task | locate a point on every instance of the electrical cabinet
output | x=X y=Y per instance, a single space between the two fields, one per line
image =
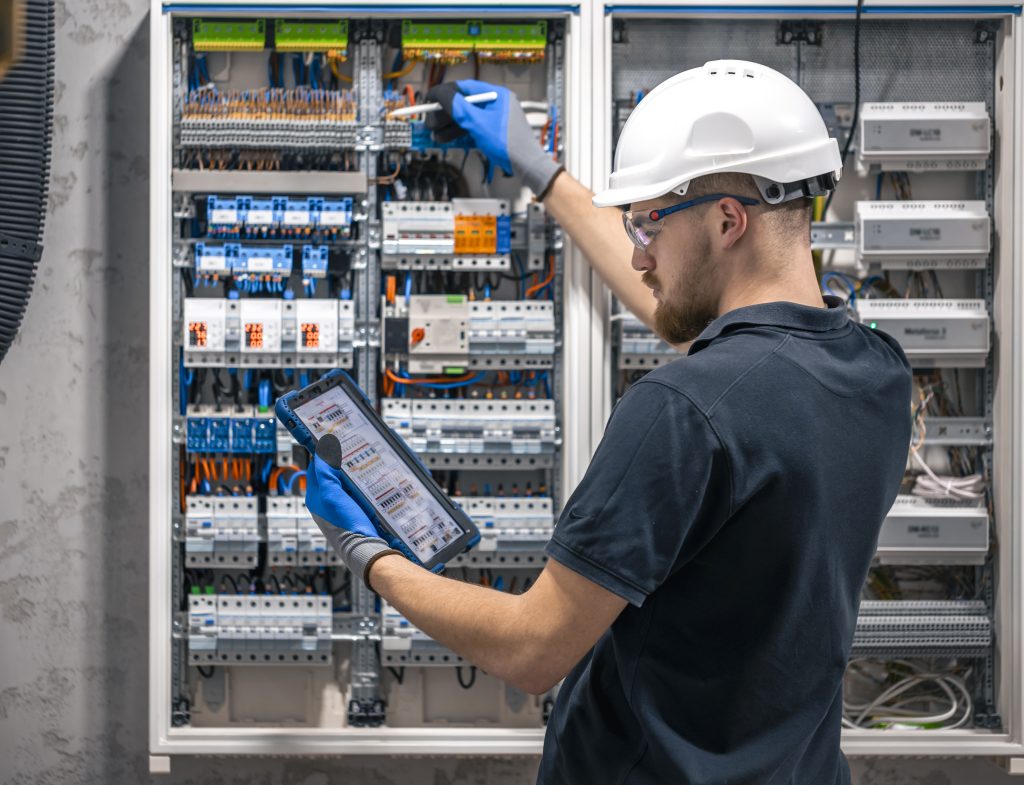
x=298 y=225
x=921 y=241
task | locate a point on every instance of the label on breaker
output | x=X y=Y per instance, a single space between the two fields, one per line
x=260 y=217
x=296 y=218
x=261 y=264
x=223 y=216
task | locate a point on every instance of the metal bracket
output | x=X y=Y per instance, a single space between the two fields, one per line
x=985 y=31
x=833 y=235
x=619 y=32
x=793 y=31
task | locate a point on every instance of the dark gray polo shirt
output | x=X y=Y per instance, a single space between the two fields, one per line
x=735 y=503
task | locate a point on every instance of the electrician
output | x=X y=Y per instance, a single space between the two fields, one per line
x=702 y=589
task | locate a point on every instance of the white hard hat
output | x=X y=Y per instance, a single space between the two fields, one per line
x=726 y=116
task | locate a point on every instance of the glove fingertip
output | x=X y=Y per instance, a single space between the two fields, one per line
x=328 y=449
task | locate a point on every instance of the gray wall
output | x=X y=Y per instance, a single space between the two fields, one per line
x=73 y=455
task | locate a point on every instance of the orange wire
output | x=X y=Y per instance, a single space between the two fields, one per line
x=429 y=380
x=410 y=95
x=272 y=482
x=391 y=285
x=248 y=471
x=224 y=466
x=545 y=282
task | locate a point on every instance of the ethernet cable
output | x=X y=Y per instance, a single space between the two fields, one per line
x=895 y=704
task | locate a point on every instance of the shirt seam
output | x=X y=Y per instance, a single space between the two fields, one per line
x=600 y=567
x=711 y=426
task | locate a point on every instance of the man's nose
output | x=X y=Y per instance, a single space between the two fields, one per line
x=642 y=261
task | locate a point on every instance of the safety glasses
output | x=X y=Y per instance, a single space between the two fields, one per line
x=642 y=228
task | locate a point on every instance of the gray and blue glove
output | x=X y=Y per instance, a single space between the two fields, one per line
x=499 y=128
x=344 y=524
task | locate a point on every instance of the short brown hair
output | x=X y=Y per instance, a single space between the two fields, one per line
x=788 y=220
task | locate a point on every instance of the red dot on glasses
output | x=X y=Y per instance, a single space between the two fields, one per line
x=655 y=215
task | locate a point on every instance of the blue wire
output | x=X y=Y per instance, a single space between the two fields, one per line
x=291 y=481
x=265 y=474
x=850 y=286
x=264 y=393
x=878 y=186
x=408 y=288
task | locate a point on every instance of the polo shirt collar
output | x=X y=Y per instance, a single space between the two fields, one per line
x=786 y=315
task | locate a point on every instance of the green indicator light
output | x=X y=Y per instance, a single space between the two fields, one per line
x=873 y=325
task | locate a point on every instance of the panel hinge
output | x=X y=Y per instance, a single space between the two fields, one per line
x=794 y=31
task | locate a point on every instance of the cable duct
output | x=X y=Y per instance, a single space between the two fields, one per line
x=26 y=128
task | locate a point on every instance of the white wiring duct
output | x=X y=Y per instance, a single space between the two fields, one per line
x=934 y=486
x=920 y=699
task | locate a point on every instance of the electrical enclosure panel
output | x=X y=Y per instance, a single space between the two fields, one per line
x=923 y=234
x=933 y=333
x=925 y=531
x=918 y=136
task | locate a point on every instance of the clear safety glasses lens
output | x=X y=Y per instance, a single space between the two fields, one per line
x=639 y=230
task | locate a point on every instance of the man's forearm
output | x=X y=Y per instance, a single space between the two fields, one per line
x=486 y=627
x=598 y=233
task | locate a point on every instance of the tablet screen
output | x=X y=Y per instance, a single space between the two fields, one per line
x=379 y=472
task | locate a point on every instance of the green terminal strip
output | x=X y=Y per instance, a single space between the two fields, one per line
x=290 y=36
x=473 y=35
x=221 y=35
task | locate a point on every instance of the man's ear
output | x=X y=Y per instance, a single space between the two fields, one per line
x=730 y=222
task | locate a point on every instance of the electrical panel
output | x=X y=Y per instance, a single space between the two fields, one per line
x=316 y=223
x=302 y=221
x=919 y=240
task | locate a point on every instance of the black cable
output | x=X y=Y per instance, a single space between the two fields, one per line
x=399 y=674
x=856 y=101
x=203 y=673
x=466 y=685
x=26 y=128
x=229 y=579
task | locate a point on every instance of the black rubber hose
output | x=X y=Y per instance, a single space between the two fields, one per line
x=26 y=129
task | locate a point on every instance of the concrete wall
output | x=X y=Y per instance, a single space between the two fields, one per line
x=73 y=455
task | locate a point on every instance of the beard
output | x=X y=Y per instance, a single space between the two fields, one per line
x=682 y=315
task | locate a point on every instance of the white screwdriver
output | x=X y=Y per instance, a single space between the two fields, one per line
x=479 y=98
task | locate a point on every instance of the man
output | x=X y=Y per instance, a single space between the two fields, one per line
x=704 y=578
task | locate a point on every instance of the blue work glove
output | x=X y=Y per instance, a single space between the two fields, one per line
x=345 y=526
x=499 y=129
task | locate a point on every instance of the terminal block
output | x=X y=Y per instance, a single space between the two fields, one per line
x=922 y=628
x=293 y=538
x=229 y=35
x=439 y=333
x=221 y=531
x=923 y=235
x=259 y=629
x=272 y=118
x=470 y=426
x=463 y=234
x=933 y=333
x=278 y=217
x=402 y=643
x=312 y=36
x=911 y=136
x=639 y=347
x=450 y=42
x=933 y=531
x=237 y=429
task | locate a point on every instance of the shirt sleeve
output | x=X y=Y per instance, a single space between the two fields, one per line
x=657 y=483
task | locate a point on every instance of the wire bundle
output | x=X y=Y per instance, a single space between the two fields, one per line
x=26 y=125
x=921 y=699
